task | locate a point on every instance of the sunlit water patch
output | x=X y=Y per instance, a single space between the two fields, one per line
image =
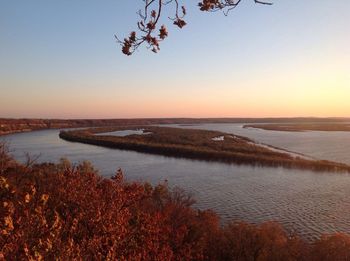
x=123 y=133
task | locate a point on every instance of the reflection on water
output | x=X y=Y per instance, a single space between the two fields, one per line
x=306 y=202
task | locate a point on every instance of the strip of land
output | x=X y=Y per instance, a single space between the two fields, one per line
x=302 y=126
x=198 y=144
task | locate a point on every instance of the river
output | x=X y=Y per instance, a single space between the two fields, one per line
x=305 y=202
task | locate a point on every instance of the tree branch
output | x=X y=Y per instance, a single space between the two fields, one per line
x=152 y=34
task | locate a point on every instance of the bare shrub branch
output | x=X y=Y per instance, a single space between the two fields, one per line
x=4 y=156
x=151 y=33
x=31 y=159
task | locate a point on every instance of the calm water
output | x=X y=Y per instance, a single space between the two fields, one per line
x=305 y=202
x=124 y=133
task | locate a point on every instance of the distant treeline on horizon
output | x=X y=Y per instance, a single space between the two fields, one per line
x=8 y=125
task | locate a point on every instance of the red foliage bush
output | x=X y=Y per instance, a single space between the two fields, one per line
x=58 y=211
x=50 y=211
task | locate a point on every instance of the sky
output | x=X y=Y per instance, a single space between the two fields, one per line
x=59 y=59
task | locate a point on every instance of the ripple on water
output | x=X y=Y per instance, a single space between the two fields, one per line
x=305 y=202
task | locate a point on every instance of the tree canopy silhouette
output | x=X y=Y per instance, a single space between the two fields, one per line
x=151 y=33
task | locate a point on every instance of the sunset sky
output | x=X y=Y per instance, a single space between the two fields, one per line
x=59 y=59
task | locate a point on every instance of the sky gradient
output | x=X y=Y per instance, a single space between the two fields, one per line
x=59 y=59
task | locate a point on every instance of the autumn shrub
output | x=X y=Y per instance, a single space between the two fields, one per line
x=334 y=247
x=268 y=241
x=68 y=212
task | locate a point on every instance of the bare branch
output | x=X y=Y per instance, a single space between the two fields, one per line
x=152 y=34
x=31 y=160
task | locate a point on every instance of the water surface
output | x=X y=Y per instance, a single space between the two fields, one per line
x=306 y=202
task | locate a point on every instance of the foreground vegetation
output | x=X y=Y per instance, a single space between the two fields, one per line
x=199 y=144
x=302 y=126
x=59 y=211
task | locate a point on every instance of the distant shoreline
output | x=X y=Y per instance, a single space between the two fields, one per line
x=11 y=126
